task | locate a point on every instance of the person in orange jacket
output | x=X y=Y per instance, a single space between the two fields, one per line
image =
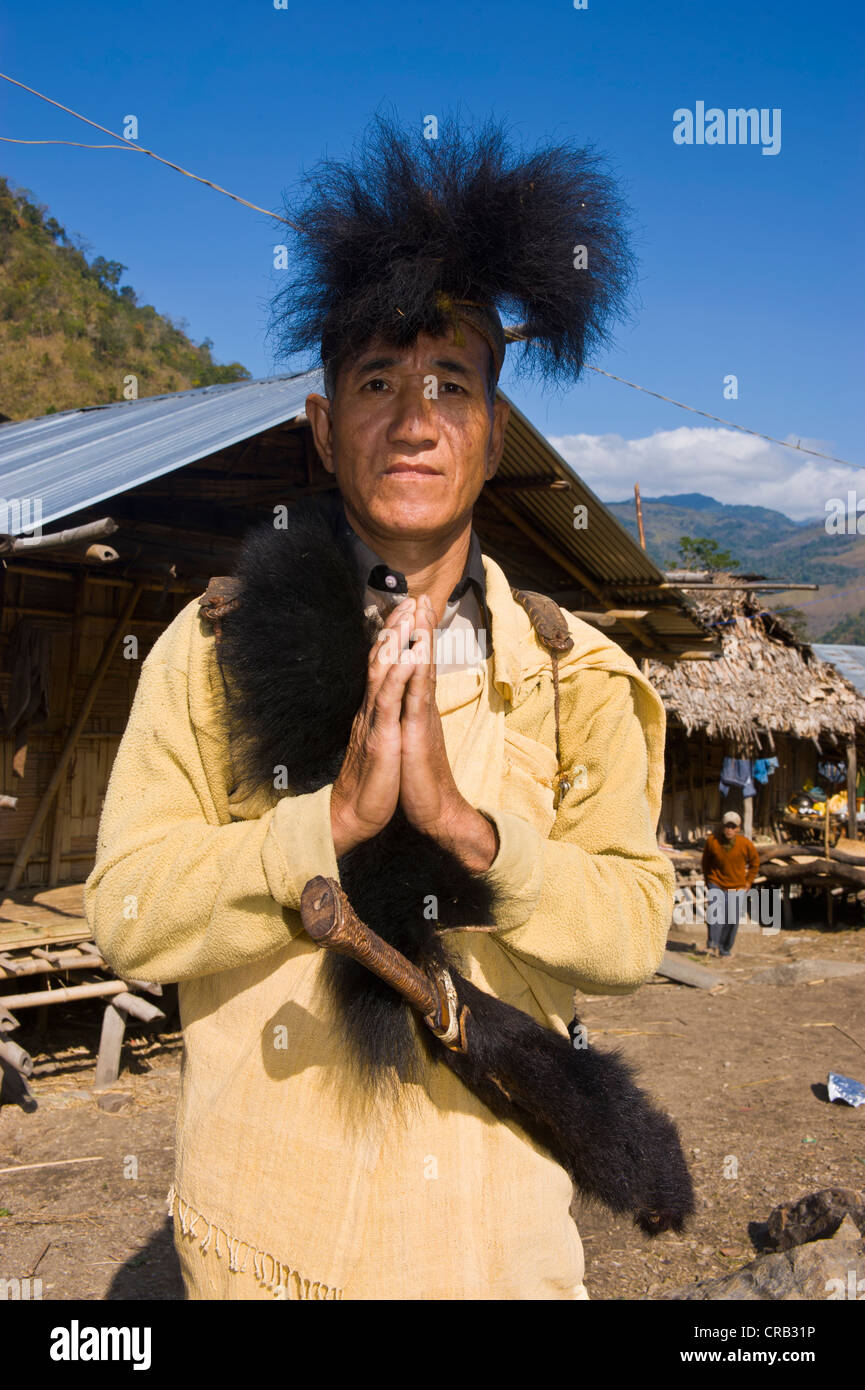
x=730 y=865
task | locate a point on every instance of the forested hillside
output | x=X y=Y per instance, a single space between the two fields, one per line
x=70 y=332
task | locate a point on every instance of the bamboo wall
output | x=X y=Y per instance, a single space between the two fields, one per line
x=66 y=844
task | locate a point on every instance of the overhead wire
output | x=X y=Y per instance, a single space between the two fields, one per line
x=132 y=144
x=512 y=334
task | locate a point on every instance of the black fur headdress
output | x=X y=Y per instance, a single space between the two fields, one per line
x=294 y=653
x=388 y=244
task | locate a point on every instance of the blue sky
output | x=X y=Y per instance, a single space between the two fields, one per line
x=750 y=264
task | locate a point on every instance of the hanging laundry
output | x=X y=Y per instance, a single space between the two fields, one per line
x=736 y=772
x=833 y=772
x=764 y=768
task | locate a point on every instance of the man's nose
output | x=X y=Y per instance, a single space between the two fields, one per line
x=414 y=419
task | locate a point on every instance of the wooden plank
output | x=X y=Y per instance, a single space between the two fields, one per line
x=110 y=1046
x=686 y=972
x=17 y=935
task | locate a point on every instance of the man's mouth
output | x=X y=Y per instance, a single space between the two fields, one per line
x=416 y=469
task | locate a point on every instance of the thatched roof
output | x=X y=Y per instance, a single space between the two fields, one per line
x=767 y=679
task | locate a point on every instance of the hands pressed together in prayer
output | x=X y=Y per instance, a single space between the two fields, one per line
x=396 y=753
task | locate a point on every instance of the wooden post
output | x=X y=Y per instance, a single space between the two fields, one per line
x=702 y=784
x=673 y=825
x=113 y=1029
x=68 y=749
x=121 y=1007
x=59 y=822
x=748 y=818
x=75 y=536
x=852 y=827
x=639 y=507
x=110 y=1047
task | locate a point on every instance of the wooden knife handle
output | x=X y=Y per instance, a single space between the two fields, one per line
x=329 y=918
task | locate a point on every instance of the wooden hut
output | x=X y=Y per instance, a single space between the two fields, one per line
x=768 y=696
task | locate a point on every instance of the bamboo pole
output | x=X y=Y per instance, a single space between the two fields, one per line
x=33 y=998
x=75 y=535
x=69 y=747
x=639 y=506
x=64 y=960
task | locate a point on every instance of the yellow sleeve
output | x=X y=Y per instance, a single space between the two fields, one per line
x=591 y=906
x=174 y=893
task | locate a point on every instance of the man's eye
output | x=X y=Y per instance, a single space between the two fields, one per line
x=451 y=386
x=376 y=383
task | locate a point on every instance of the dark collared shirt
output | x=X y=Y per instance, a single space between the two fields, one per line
x=463 y=635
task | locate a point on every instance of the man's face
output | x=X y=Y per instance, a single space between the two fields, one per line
x=411 y=435
x=730 y=832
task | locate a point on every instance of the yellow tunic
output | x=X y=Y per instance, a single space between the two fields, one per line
x=285 y=1185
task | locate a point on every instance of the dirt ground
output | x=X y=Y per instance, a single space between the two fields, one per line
x=743 y=1071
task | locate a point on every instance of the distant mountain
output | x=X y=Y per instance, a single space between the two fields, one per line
x=692 y=501
x=70 y=333
x=764 y=542
x=848 y=631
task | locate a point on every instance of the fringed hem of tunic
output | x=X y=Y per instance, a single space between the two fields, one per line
x=279 y=1276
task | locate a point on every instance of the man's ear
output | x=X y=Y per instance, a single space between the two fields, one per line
x=501 y=413
x=321 y=423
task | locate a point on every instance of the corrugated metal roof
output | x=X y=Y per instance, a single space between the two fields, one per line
x=602 y=550
x=850 y=661
x=78 y=458
x=603 y=547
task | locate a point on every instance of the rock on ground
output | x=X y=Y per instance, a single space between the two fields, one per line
x=821 y=1269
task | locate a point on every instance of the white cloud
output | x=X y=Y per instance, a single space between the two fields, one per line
x=729 y=466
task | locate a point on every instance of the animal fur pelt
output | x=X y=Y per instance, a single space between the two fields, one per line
x=378 y=241
x=294 y=654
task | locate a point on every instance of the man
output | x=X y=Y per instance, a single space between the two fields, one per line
x=730 y=865
x=291 y=1181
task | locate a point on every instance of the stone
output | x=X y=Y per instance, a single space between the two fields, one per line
x=820 y=1269
x=815 y=1217
x=799 y=972
x=112 y=1101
